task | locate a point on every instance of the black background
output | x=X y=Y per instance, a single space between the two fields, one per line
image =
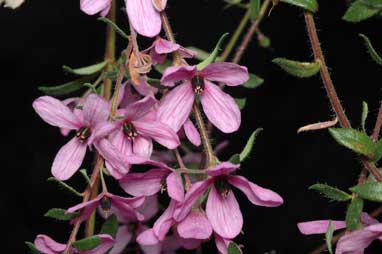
x=41 y=36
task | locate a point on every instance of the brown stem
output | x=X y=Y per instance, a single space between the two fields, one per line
x=110 y=50
x=178 y=60
x=183 y=168
x=377 y=127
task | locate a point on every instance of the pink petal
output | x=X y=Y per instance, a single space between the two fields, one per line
x=55 y=113
x=125 y=208
x=106 y=243
x=69 y=159
x=144 y=88
x=159 y=5
x=149 y=208
x=140 y=108
x=92 y=7
x=319 y=226
x=165 y=221
x=122 y=143
x=118 y=163
x=177 y=73
x=220 y=108
x=356 y=241
x=163 y=46
x=194 y=193
x=104 y=129
x=143 y=184
x=142 y=147
x=367 y=219
x=126 y=97
x=256 y=194
x=224 y=168
x=105 y=11
x=157 y=58
x=176 y=106
x=96 y=110
x=160 y=132
x=224 y=214
x=86 y=208
x=147 y=238
x=187 y=53
x=152 y=249
x=195 y=225
x=222 y=244
x=228 y=73
x=143 y=16
x=175 y=186
x=188 y=244
x=192 y=133
x=122 y=239
x=47 y=245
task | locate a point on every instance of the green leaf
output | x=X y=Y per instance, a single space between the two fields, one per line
x=88 y=70
x=353 y=214
x=249 y=146
x=201 y=54
x=32 y=248
x=155 y=83
x=65 y=186
x=84 y=173
x=110 y=226
x=264 y=41
x=241 y=102
x=355 y=140
x=373 y=3
x=66 y=88
x=329 y=237
x=253 y=81
x=359 y=11
x=59 y=214
x=370 y=191
x=370 y=49
x=330 y=192
x=212 y=57
x=365 y=112
x=114 y=26
x=378 y=151
x=233 y=248
x=88 y=243
x=235 y=159
x=254 y=6
x=310 y=5
x=298 y=69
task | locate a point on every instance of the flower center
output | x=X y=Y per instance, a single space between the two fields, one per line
x=132 y=226
x=106 y=205
x=83 y=134
x=197 y=84
x=222 y=186
x=130 y=131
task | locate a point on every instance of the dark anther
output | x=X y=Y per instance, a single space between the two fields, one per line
x=83 y=133
x=197 y=84
x=130 y=130
x=222 y=186
x=106 y=204
x=132 y=226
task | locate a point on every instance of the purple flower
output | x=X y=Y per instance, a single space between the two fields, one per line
x=219 y=107
x=87 y=125
x=47 y=245
x=92 y=7
x=222 y=208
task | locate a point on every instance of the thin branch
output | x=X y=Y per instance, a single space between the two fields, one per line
x=377 y=127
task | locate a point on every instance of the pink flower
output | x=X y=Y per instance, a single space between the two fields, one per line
x=161 y=47
x=219 y=107
x=87 y=125
x=92 y=7
x=48 y=246
x=110 y=204
x=222 y=208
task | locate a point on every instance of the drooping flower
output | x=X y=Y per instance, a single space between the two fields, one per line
x=87 y=125
x=219 y=107
x=13 y=4
x=222 y=208
x=47 y=245
x=92 y=7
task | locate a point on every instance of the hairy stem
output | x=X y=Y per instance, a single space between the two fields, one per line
x=110 y=50
x=378 y=124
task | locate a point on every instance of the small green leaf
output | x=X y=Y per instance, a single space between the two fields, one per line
x=233 y=248
x=378 y=151
x=65 y=186
x=235 y=159
x=355 y=140
x=372 y=52
x=330 y=192
x=201 y=54
x=370 y=191
x=85 y=71
x=88 y=243
x=310 y=5
x=264 y=41
x=353 y=214
x=253 y=81
x=66 y=88
x=359 y=11
x=32 y=248
x=241 y=102
x=114 y=26
x=212 y=57
x=85 y=175
x=373 y=3
x=59 y=214
x=110 y=226
x=254 y=6
x=155 y=83
x=365 y=112
x=329 y=237
x=249 y=146
x=298 y=69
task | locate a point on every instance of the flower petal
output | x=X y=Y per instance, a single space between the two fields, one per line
x=122 y=239
x=143 y=17
x=86 y=209
x=47 y=245
x=147 y=238
x=256 y=194
x=69 y=159
x=220 y=108
x=103 y=129
x=195 y=225
x=150 y=207
x=176 y=106
x=140 y=108
x=177 y=73
x=355 y=242
x=159 y=5
x=175 y=186
x=224 y=214
x=192 y=133
x=92 y=7
x=96 y=110
x=160 y=132
x=55 y=113
x=163 y=46
x=142 y=147
x=224 y=168
x=106 y=243
x=165 y=221
x=319 y=226
x=125 y=208
x=222 y=244
x=228 y=73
